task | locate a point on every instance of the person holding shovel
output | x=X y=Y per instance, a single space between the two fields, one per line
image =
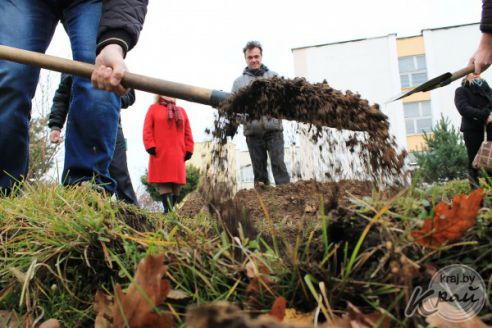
x=482 y=58
x=168 y=139
x=473 y=99
x=118 y=169
x=107 y=28
x=265 y=136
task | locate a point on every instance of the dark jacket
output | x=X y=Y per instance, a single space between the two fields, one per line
x=121 y=23
x=61 y=102
x=486 y=22
x=474 y=104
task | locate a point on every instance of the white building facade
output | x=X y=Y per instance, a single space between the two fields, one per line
x=381 y=67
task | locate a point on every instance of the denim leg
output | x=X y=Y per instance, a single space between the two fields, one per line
x=118 y=169
x=93 y=116
x=275 y=145
x=258 y=153
x=28 y=25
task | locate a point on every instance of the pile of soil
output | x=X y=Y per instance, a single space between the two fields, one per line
x=290 y=211
x=321 y=107
x=298 y=201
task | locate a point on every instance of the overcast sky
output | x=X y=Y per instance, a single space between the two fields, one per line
x=200 y=43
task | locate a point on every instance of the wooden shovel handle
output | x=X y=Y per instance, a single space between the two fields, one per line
x=462 y=72
x=130 y=80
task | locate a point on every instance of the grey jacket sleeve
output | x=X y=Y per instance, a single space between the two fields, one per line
x=121 y=23
x=235 y=85
x=61 y=102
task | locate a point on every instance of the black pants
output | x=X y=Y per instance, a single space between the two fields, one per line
x=473 y=140
x=118 y=170
x=271 y=143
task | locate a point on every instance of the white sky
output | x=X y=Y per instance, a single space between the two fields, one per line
x=200 y=43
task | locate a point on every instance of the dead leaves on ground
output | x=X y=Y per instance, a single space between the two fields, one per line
x=138 y=307
x=450 y=223
x=436 y=319
x=226 y=315
x=10 y=319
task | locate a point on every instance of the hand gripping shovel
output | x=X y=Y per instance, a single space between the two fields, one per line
x=437 y=82
x=130 y=80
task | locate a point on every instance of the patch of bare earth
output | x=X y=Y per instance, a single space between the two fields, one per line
x=292 y=203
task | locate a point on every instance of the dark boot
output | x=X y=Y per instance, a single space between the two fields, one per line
x=473 y=178
x=166 y=202
x=175 y=200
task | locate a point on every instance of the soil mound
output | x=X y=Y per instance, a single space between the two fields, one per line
x=293 y=201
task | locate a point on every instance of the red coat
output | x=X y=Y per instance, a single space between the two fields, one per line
x=171 y=143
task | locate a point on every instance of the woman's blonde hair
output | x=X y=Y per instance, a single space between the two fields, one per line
x=468 y=79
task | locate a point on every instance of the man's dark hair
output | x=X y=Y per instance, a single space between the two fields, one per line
x=251 y=45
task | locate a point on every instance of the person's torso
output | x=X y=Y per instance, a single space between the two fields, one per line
x=478 y=100
x=264 y=124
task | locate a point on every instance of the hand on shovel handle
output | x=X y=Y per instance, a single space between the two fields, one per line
x=109 y=79
x=110 y=69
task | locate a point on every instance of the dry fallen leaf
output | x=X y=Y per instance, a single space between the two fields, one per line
x=437 y=321
x=51 y=323
x=292 y=316
x=103 y=305
x=278 y=308
x=138 y=306
x=450 y=223
x=147 y=291
x=354 y=318
x=258 y=274
x=10 y=319
x=176 y=294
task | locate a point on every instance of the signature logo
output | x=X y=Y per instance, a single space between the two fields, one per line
x=456 y=293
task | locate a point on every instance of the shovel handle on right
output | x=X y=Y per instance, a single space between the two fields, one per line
x=462 y=72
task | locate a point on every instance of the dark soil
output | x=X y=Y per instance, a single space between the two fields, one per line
x=292 y=203
x=320 y=106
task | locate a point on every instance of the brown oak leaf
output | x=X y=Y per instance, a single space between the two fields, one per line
x=148 y=290
x=450 y=223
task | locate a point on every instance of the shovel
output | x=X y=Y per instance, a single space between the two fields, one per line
x=437 y=82
x=130 y=80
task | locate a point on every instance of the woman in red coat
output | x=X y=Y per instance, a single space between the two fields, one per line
x=167 y=138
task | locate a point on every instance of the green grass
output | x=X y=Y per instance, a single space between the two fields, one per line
x=59 y=245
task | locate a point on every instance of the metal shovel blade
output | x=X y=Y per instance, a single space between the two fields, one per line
x=437 y=82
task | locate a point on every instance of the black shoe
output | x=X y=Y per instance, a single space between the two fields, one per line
x=167 y=202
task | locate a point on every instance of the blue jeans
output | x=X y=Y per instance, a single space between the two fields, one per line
x=93 y=119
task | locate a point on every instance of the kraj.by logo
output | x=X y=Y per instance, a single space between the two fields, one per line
x=456 y=293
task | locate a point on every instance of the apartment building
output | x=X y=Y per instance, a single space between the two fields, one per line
x=379 y=68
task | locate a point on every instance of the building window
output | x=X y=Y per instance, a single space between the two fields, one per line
x=418 y=117
x=413 y=71
x=247 y=173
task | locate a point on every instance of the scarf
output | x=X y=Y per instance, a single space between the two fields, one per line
x=256 y=72
x=173 y=112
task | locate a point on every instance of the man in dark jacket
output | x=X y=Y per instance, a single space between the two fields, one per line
x=473 y=99
x=90 y=139
x=265 y=135
x=482 y=58
x=118 y=169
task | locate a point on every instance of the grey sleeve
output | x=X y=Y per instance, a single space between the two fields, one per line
x=235 y=86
